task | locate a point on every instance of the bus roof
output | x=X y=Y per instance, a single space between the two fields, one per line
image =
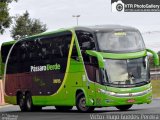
x=95 y=28
x=106 y=28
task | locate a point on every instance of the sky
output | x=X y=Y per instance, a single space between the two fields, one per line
x=58 y=14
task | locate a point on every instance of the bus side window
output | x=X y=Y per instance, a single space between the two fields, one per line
x=66 y=45
x=13 y=55
x=5 y=50
x=38 y=48
x=41 y=49
x=86 y=40
x=74 y=52
x=62 y=46
x=53 y=47
x=24 y=55
x=93 y=73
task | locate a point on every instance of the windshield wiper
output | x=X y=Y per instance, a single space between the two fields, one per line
x=146 y=82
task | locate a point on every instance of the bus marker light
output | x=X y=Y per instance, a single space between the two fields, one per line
x=131 y=101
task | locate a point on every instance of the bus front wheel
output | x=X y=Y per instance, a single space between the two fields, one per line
x=124 y=107
x=81 y=104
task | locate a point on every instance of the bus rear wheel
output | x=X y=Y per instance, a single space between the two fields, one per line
x=81 y=104
x=21 y=102
x=63 y=108
x=28 y=102
x=29 y=105
x=124 y=107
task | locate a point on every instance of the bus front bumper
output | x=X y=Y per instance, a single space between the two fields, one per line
x=116 y=99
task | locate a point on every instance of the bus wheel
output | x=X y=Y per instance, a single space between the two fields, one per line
x=124 y=107
x=29 y=105
x=28 y=102
x=21 y=102
x=63 y=108
x=81 y=104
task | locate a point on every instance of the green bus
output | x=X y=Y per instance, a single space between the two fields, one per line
x=86 y=67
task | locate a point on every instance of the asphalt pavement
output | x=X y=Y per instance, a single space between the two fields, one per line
x=137 y=112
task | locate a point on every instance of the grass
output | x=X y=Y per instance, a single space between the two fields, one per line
x=156 y=88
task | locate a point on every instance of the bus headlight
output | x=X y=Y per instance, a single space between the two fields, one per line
x=126 y=94
x=112 y=93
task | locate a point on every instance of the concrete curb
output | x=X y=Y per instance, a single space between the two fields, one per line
x=6 y=105
x=156 y=98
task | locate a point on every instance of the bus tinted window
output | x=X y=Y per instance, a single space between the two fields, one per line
x=13 y=58
x=5 y=50
x=55 y=47
x=39 y=52
x=86 y=41
x=24 y=51
x=45 y=48
x=74 y=52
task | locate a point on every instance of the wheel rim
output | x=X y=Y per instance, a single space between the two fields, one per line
x=28 y=102
x=21 y=102
x=82 y=104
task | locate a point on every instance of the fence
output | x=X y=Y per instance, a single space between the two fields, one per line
x=155 y=74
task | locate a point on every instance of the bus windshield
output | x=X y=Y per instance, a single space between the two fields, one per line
x=127 y=72
x=120 y=41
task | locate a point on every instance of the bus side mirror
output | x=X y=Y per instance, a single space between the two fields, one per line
x=155 y=57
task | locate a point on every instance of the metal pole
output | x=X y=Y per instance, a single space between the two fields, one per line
x=76 y=16
x=77 y=21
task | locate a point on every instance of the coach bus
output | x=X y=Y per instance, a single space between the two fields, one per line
x=86 y=67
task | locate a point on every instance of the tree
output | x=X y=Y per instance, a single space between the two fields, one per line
x=5 y=18
x=25 y=26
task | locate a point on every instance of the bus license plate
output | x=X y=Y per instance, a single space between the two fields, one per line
x=131 y=101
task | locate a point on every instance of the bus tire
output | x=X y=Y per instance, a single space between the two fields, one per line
x=123 y=107
x=29 y=105
x=80 y=103
x=28 y=102
x=21 y=102
x=63 y=108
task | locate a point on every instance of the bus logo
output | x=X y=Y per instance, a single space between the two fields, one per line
x=47 y=67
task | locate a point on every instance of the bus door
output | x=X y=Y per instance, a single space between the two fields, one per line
x=91 y=77
x=94 y=81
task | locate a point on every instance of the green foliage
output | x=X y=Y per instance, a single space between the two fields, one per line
x=156 y=90
x=5 y=18
x=25 y=26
